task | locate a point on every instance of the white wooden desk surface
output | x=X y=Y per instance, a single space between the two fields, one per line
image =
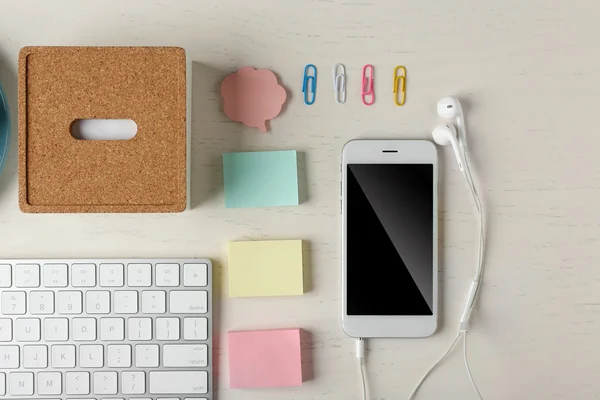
x=528 y=75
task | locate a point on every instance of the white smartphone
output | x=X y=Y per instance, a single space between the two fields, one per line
x=389 y=238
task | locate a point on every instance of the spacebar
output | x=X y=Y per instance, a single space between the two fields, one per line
x=178 y=382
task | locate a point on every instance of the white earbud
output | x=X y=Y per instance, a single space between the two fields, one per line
x=446 y=135
x=450 y=108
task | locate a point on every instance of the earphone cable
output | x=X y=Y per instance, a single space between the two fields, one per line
x=363 y=376
x=466 y=360
x=473 y=296
x=471 y=302
x=433 y=367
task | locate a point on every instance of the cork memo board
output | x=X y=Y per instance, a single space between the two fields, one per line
x=59 y=85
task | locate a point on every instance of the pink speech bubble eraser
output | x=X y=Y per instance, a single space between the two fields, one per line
x=252 y=97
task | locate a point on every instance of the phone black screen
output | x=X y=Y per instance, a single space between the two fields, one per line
x=389 y=239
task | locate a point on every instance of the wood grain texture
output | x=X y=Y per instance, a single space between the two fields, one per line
x=527 y=73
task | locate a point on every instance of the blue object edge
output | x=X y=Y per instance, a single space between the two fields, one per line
x=4 y=128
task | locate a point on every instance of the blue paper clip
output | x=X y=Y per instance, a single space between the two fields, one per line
x=309 y=84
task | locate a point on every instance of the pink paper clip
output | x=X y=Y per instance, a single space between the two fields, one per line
x=368 y=87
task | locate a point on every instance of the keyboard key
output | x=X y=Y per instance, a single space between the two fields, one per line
x=77 y=383
x=84 y=329
x=178 y=382
x=126 y=302
x=105 y=382
x=12 y=303
x=119 y=356
x=195 y=275
x=167 y=328
x=89 y=398
x=56 y=329
x=21 y=384
x=5 y=330
x=49 y=383
x=55 y=275
x=5 y=275
x=83 y=275
x=146 y=355
x=188 y=302
x=63 y=356
x=2 y=384
x=139 y=275
x=9 y=357
x=41 y=303
x=154 y=302
x=112 y=329
x=167 y=275
x=97 y=302
x=185 y=355
x=27 y=275
x=69 y=302
x=139 y=329
x=133 y=382
x=195 y=328
x=91 y=356
x=111 y=275
x=27 y=329
x=35 y=356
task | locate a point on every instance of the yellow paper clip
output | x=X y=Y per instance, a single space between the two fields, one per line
x=400 y=85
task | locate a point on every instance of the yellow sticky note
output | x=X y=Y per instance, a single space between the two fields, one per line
x=265 y=268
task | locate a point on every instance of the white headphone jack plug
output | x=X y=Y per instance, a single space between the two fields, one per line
x=360 y=357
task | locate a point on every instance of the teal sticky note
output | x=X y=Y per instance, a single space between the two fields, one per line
x=261 y=179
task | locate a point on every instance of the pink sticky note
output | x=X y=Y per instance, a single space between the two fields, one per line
x=252 y=96
x=269 y=358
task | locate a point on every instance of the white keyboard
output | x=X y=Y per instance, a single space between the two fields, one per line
x=106 y=329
